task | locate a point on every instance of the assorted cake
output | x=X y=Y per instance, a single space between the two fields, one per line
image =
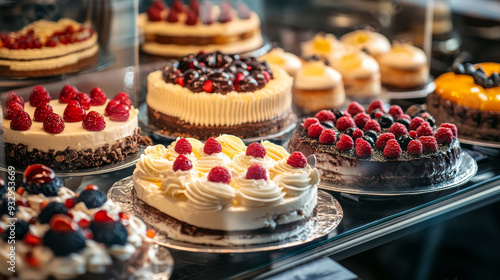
x=470 y=98
x=323 y=45
x=181 y=29
x=208 y=94
x=74 y=131
x=225 y=193
x=45 y=48
x=367 y=41
x=286 y=60
x=375 y=148
x=55 y=233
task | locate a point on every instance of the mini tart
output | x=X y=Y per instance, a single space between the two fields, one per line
x=364 y=40
x=474 y=109
x=288 y=61
x=317 y=87
x=323 y=45
x=47 y=54
x=404 y=67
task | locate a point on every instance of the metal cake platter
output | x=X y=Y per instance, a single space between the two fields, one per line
x=478 y=142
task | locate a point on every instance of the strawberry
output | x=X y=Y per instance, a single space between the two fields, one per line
x=62 y=223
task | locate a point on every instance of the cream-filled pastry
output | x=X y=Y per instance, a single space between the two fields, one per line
x=323 y=45
x=288 y=61
x=364 y=40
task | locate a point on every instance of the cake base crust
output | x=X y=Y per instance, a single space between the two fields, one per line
x=404 y=79
x=313 y=100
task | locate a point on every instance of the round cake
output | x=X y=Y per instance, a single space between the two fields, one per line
x=470 y=98
x=209 y=94
x=45 y=48
x=370 y=147
x=50 y=232
x=183 y=29
x=75 y=131
x=225 y=193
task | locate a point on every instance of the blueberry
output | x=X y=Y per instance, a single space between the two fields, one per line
x=374 y=112
x=495 y=77
x=458 y=69
x=350 y=131
x=430 y=120
x=92 y=198
x=479 y=78
x=64 y=243
x=480 y=69
x=50 y=210
x=328 y=124
x=469 y=69
x=21 y=228
x=109 y=233
x=404 y=140
x=369 y=140
x=372 y=134
x=404 y=121
x=385 y=121
x=338 y=113
x=49 y=189
x=488 y=83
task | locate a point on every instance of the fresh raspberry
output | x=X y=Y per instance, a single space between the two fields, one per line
x=192 y=18
x=39 y=94
x=83 y=99
x=444 y=135
x=183 y=147
x=297 y=160
x=67 y=94
x=405 y=116
x=212 y=146
x=93 y=121
x=62 y=223
x=256 y=150
x=415 y=147
x=425 y=130
x=425 y=114
x=13 y=108
x=103 y=216
x=355 y=108
x=383 y=139
x=328 y=136
x=363 y=148
x=182 y=163
x=178 y=6
x=416 y=123
x=315 y=130
x=344 y=123
x=97 y=97
x=325 y=115
x=379 y=114
x=173 y=16
x=376 y=104
x=372 y=125
x=117 y=111
x=123 y=98
x=395 y=111
x=42 y=111
x=346 y=114
x=398 y=129
x=13 y=97
x=208 y=86
x=73 y=112
x=413 y=134
x=358 y=133
x=452 y=127
x=53 y=124
x=21 y=121
x=154 y=14
x=392 y=149
x=256 y=172
x=361 y=119
x=219 y=174
x=310 y=121
x=345 y=143
x=429 y=144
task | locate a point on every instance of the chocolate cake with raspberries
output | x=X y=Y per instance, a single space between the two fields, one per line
x=208 y=94
x=72 y=132
x=376 y=148
x=60 y=234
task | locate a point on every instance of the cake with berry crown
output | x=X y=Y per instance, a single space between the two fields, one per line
x=182 y=29
x=209 y=94
x=60 y=234
x=470 y=98
x=372 y=147
x=74 y=131
x=227 y=193
x=45 y=48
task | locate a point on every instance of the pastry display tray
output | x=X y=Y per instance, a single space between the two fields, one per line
x=420 y=93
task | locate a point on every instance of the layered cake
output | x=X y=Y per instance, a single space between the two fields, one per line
x=45 y=48
x=470 y=98
x=74 y=131
x=208 y=94
x=55 y=233
x=372 y=147
x=181 y=29
x=226 y=193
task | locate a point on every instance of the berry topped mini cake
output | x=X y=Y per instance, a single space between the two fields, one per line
x=181 y=29
x=58 y=234
x=376 y=148
x=208 y=94
x=45 y=48
x=470 y=98
x=75 y=131
x=226 y=193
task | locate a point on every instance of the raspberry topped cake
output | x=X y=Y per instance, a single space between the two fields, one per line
x=181 y=29
x=74 y=131
x=45 y=48
x=372 y=147
x=209 y=94
x=60 y=234
x=226 y=193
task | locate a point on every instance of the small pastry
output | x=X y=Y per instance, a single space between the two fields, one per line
x=318 y=87
x=288 y=61
x=323 y=45
x=371 y=42
x=404 y=67
x=360 y=74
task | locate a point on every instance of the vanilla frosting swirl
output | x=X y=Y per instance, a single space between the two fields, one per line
x=155 y=150
x=175 y=182
x=241 y=162
x=209 y=196
x=97 y=257
x=276 y=152
x=171 y=154
x=152 y=167
x=294 y=180
x=206 y=162
x=231 y=145
x=258 y=193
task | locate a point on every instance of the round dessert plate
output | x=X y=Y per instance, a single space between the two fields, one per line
x=478 y=142
x=419 y=93
x=329 y=216
x=467 y=169
x=278 y=138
